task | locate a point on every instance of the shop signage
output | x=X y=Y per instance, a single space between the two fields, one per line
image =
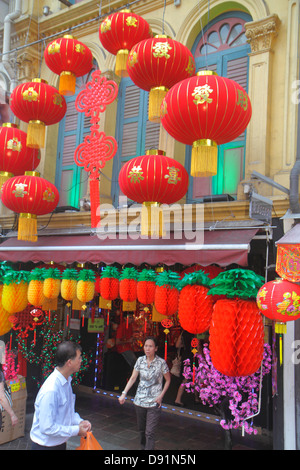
x=96 y=325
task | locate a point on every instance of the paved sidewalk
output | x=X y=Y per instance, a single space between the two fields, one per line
x=114 y=426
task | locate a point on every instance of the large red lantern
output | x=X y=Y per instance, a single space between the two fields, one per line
x=30 y=196
x=205 y=111
x=39 y=104
x=167 y=293
x=155 y=65
x=151 y=180
x=15 y=156
x=68 y=58
x=119 y=32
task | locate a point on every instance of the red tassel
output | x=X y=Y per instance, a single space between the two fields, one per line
x=107 y=318
x=95 y=202
x=166 y=348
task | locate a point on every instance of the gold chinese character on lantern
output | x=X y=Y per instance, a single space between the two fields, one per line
x=131 y=21
x=14 y=144
x=161 y=49
x=80 y=48
x=201 y=94
x=136 y=174
x=132 y=59
x=54 y=48
x=242 y=99
x=105 y=25
x=58 y=99
x=48 y=195
x=30 y=94
x=20 y=189
x=173 y=177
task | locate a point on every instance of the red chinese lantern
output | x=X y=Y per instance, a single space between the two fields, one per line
x=153 y=179
x=146 y=286
x=128 y=284
x=15 y=156
x=109 y=283
x=205 y=111
x=68 y=58
x=167 y=293
x=155 y=65
x=30 y=196
x=119 y=32
x=40 y=105
x=195 y=307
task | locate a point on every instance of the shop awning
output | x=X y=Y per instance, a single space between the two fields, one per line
x=222 y=247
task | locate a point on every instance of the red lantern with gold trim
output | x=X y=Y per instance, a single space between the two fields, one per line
x=119 y=32
x=205 y=111
x=68 y=58
x=30 y=196
x=153 y=179
x=155 y=65
x=15 y=156
x=39 y=104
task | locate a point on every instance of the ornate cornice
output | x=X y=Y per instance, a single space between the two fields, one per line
x=260 y=34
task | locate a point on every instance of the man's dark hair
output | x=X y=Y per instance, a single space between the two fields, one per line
x=65 y=351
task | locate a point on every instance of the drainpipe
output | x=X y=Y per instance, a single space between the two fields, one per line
x=8 y=20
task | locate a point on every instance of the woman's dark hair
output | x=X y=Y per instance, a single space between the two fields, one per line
x=153 y=338
x=65 y=351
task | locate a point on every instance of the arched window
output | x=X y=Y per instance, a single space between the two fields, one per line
x=223 y=48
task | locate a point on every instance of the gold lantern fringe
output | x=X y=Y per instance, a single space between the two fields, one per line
x=152 y=219
x=121 y=61
x=67 y=83
x=156 y=96
x=4 y=176
x=27 y=227
x=204 y=160
x=36 y=134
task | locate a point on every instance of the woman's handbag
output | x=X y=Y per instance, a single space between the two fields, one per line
x=176 y=367
x=89 y=443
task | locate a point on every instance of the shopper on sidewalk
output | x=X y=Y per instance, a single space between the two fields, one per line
x=55 y=419
x=152 y=369
x=4 y=403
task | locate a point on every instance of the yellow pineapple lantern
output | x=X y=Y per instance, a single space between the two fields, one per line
x=68 y=286
x=5 y=324
x=35 y=294
x=14 y=293
x=51 y=287
x=86 y=286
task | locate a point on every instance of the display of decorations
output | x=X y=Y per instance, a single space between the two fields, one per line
x=128 y=284
x=146 y=286
x=14 y=294
x=15 y=156
x=5 y=323
x=167 y=293
x=96 y=149
x=30 y=196
x=205 y=111
x=155 y=65
x=195 y=307
x=151 y=180
x=52 y=280
x=109 y=283
x=85 y=286
x=68 y=58
x=236 y=330
x=35 y=292
x=119 y=32
x=68 y=285
x=40 y=105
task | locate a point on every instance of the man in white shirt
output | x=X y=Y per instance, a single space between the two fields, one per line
x=55 y=419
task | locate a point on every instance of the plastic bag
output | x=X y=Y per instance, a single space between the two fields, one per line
x=89 y=443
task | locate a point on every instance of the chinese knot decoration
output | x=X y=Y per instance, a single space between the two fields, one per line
x=155 y=65
x=40 y=105
x=119 y=32
x=96 y=149
x=205 y=111
x=15 y=156
x=30 y=196
x=151 y=180
x=68 y=58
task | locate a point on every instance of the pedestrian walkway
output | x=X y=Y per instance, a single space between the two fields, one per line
x=114 y=426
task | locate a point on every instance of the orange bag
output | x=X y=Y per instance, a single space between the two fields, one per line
x=89 y=443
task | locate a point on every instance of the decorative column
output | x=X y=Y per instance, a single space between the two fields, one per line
x=260 y=36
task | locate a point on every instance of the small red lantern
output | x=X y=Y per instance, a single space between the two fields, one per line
x=30 y=196
x=153 y=179
x=167 y=293
x=119 y=32
x=15 y=156
x=146 y=286
x=128 y=284
x=155 y=65
x=205 y=111
x=39 y=104
x=68 y=58
x=109 y=283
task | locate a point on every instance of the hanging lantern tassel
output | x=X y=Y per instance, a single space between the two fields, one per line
x=95 y=202
x=280 y=328
x=156 y=97
x=194 y=344
x=167 y=323
x=204 y=160
x=121 y=61
x=36 y=132
x=152 y=219
x=67 y=83
x=27 y=227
